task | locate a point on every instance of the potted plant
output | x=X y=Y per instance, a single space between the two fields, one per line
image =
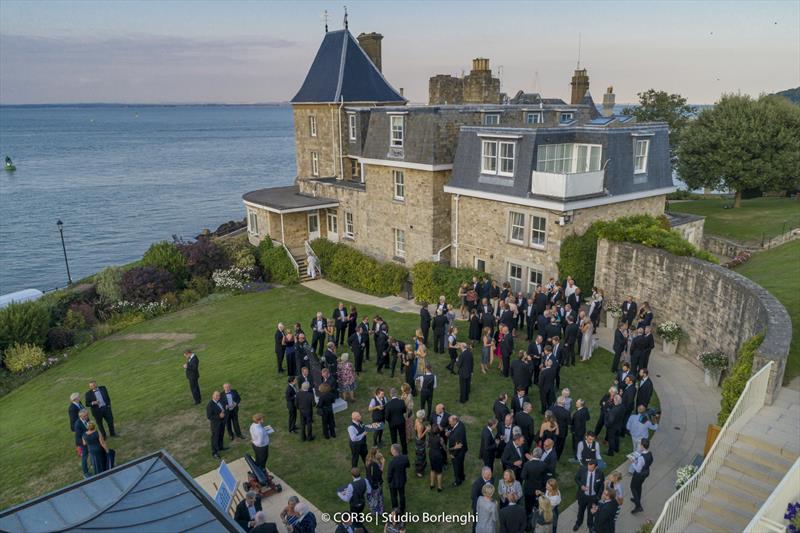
x=684 y=474
x=713 y=364
x=613 y=314
x=670 y=333
x=793 y=516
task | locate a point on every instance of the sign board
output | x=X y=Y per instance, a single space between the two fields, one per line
x=223 y=497
x=227 y=477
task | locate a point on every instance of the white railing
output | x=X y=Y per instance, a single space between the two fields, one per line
x=680 y=507
x=310 y=252
x=567 y=185
x=770 y=517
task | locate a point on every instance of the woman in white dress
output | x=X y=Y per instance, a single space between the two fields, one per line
x=587 y=343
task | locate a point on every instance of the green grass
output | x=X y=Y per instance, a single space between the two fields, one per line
x=778 y=271
x=234 y=340
x=756 y=217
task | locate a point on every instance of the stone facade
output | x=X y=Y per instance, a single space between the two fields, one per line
x=325 y=143
x=718 y=308
x=445 y=89
x=483 y=233
x=295 y=226
x=477 y=87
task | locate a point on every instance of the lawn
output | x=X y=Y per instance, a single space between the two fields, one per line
x=757 y=217
x=232 y=335
x=778 y=271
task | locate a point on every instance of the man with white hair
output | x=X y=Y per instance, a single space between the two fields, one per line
x=280 y=349
x=260 y=524
x=305 y=404
x=247 y=509
x=80 y=427
x=486 y=478
x=306 y=523
x=75 y=407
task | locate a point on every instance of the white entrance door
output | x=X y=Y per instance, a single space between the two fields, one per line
x=333 y=226
x=313 y=226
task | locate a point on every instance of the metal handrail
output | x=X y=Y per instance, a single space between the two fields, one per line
x=310 y=251
x=291 y=258
x=680 y=507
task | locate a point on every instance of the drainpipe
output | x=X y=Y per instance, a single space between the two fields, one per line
x=333 y=143
x=341 y=152
x=283 y=239
x=455 y=235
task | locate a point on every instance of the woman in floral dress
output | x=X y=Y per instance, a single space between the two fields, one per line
x=346 y=378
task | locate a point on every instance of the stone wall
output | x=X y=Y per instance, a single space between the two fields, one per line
x=718 y=308
x=692 y=231
x=719 y=246
x=325 y=143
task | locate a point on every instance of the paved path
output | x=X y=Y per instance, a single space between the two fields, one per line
x=687 y=407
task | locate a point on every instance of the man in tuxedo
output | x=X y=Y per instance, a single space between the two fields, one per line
x=291 y=403
x=534 y=476
x=356 y=343
x=620 y=344
x=99 y=402
x=558 y=355
x=512 y=517
x=522 y=307
x=79 y=428
x=329 y=358
x=539 y=302
x=381 y=339
x=500 y=407
x=574 y=300
x=629 y=311
x=465 y=368
x=305 y=377
x=519 y=400
x=457 y=442
x=535 y=351
x=571 y=334
x=623 y=373
x=215 y=413
x=530 y=319
x=396 y=350
x=441 y=417
x=506 y=349
x=547 y=383
x=645 y=388
x=553 y=329
x=542 y=321
x=397 y=478
x=606 y=403
x=562 y=416
x=395 y=417
x=605 y=512
x=357 y=433
x=439 y=331
x=505 y=434
x=484 y=479
x=305 y=404
x=74 y=408
x=521 y=372
x=578 y=423
x=489 y=440
x=260 y=524
x=427 y=384
x=629 y=396
x=424 y=321
x=280 y=349
x=615 y=425
x=318 y=325
x=246 y=510
x=524 y=421
x=549 y=456
x=340 y=320
x=649 y=344
x=366 y=328
x=192 y=368
x=589 y=480
x=486 y=315
x=507 y=316
x=514 y=455
x=231 y=400
x=639 y=348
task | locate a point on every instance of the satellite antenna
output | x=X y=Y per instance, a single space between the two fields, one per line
x=536 y=81
x=579 y=51
x=500 y=75
x=325 y=19
x=345 y=17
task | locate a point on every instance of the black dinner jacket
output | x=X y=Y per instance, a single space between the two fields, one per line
x=500 y=411
x=445 y=419
x=477 y=488
x=510 y=455
x=336 y=315
x=579 y=419
x=394 y=410
x=571 y=334
x=424 y=318
x=213 y=410
x=242 y=516
x=291 y=396
x=512 y=519
x=458 y=434
x=90 y=397
x=521 y=374
x=645 y=392
x=279 y=348
x=305 y=402
x=465 y=365
x=516 y=407
x=235 y=395
x=397 y=472
x=488 y=444
x=526 y=425
x=73 y=414
x=193 y=367
x=547 y=379
x=581 y=478
x=534 y=476
x=620 y=342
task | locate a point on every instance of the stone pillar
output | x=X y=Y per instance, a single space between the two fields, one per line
x=580 y=84
x=371 y=44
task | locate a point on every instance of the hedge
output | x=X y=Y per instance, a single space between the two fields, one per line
x=275 y=264
x=431 y=280
x=733 y=385
x=349 y=267
x=165 y=255
x=24 y=323
x=578 y=252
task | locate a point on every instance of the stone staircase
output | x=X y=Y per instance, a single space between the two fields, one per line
x=301 y=258
x=764 y=451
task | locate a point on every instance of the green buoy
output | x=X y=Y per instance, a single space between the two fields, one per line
x=9 y=166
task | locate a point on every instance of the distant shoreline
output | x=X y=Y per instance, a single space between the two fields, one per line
x=64 y=105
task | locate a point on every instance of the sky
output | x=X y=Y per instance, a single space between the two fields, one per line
x=258 y=51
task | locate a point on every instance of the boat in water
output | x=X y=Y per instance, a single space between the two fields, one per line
x=9 y=165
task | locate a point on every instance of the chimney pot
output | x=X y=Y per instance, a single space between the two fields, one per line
x=371 y=44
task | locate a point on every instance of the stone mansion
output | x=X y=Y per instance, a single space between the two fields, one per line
x=473 y=179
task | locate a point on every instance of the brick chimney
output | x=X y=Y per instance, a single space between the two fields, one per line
x=580 y=84
x=608 y=102
x=480 y=64
x=371 y=44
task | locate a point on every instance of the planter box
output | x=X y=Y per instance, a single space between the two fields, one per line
x=669 y=348
x=712 y=377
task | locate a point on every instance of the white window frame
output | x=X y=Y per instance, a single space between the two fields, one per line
x=362 y=172
x=355 y=168
x=640 y=156
x=396 y=130
x=349 y=226
x=314 y=163
x=516 y=282
x=501 y=159
x=512 y=225
x=399 y=243
x=534 y=114
x=252 y=222
x=538 y=231
x=491 y=119
x=399 y=185
x=565 y=158
x=479 y=260
x=568 y=115
x=332 y=221
x=533 y=284
x=492 y=159
x=351 y=123
x=312 y=125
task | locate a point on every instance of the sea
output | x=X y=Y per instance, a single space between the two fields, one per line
x=121 y=177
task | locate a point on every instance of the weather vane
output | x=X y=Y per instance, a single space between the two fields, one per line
x=325 y=18
x=345 y=17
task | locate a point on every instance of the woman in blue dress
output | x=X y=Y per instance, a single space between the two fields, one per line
x=97 y=447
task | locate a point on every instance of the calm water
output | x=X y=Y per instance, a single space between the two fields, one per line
x=121 y=178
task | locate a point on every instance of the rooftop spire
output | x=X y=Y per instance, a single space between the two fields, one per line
x=345 y=17
x=325 y=18
x=579 y=52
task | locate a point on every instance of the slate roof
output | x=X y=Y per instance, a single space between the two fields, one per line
x=287 y=199
x=342 y=71
x=150 y=494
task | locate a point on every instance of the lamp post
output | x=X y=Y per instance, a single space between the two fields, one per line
x=63 y=247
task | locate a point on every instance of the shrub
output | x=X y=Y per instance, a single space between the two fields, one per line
x=21 y=357
x=578 y=257
x=735 y=381
x=188 y=296
x=59 y=302
x=74 y=321
x=24 y=323
x=166 y=256
x=240 y=252
x=202 y=286
x=276 y=266
x=232 y=279
x=170 y=300
x=203 y=257
x=431 y=280
x=146 y=284
x=59 y=338
x=107 y=282
x=85 y=310
x=117 y=323
x=347 y=266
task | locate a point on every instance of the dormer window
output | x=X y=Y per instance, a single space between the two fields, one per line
x=569 y=158
x=351 y=122
x=398 y=131
x=489 y=157
x=506 y=159
x=566 y=117
x=491 y=119
x=641 y=147
x=533 y=118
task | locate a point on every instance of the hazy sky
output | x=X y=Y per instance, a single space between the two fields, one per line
x=243 y=52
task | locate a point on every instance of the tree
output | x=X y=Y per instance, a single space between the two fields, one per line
x=742 y=143
x=660 y=106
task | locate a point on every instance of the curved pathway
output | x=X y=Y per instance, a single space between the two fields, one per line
x=688 y=406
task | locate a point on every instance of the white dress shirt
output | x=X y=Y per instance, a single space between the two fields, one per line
x=259 y=435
